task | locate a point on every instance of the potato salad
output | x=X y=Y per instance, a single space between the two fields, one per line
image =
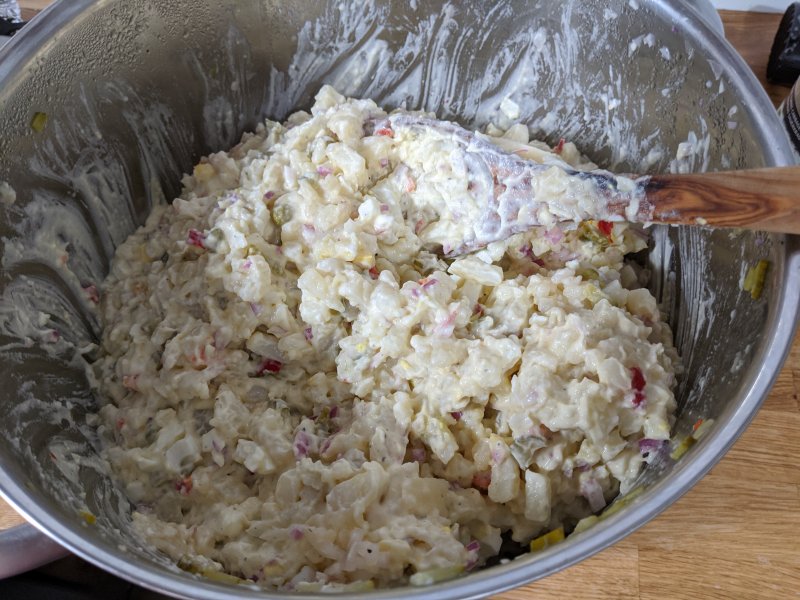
x=301 y=391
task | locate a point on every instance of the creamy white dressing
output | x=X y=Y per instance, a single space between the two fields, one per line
x=7 y=193
x=300 y=393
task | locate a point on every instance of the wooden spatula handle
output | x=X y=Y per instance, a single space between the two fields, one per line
x=763 y=199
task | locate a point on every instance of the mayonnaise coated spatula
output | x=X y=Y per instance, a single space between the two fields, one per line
x=513 y=194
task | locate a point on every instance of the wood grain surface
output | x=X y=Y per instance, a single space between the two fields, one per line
x=752 y=35
x=31 y=7
x=758 y=199
x=737 y=533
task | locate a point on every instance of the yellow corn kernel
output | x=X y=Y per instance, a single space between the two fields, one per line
x=204 y=172
x=316 y=586
x=88 y=517
x=405 y=364
x=548 y=539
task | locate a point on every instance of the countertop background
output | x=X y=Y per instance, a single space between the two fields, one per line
x=753 y=5
x=734 y=535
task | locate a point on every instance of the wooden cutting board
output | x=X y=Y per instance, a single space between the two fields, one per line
x=8 y=518
x=737 y=533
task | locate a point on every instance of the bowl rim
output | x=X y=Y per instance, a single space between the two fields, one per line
x=775 y=346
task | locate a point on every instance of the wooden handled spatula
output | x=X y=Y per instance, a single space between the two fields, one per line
x=512 y=193
x=760 y=199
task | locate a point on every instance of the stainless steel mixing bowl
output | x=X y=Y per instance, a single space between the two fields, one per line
x=132 y=92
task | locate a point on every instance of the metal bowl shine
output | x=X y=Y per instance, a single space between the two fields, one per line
x=104 y=103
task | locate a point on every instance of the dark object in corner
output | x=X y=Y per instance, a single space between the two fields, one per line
x=9 y=27
x=784 y=58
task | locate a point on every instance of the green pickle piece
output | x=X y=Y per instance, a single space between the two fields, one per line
x=593 y=294
x=188 y=566
x=682 y=447
x=548 y=539
x=702 y=428
x=432 y=576
x=586 y=523
x=754 y=280
x=213 y=238
x=588 y=232
x=39 y=121
x=587 y=273
x=315 y=586
x=357 y=586
x=281 y=214
x=220 y=577
x=621 y=502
